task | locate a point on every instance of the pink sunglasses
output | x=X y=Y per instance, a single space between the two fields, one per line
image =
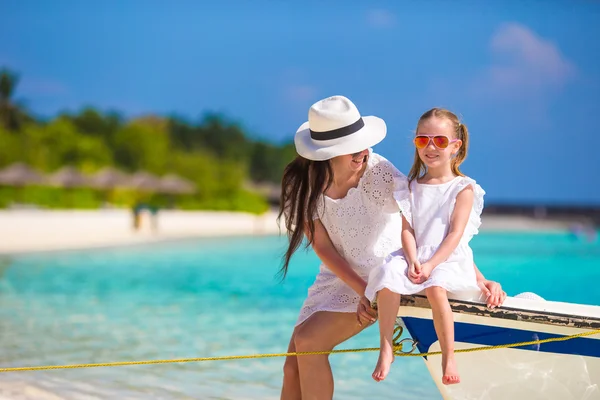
x=440 y=141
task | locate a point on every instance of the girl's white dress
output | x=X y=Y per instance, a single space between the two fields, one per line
x=428 y=209
x=364 y=227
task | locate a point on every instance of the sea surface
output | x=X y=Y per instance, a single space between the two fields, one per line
x=216 y=297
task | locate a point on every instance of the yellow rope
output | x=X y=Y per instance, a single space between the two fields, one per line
x=397 y=351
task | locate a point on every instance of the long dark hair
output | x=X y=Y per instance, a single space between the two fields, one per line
x=302 y=186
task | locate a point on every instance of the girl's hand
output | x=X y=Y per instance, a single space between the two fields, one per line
x=414 y=272
x=426 y=269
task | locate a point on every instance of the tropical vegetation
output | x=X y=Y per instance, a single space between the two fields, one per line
x=222 y=161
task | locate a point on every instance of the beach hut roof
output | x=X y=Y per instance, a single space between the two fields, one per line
x=19 y=174
x=69 y=177
x=270 y=190
x=172 y=183
x=108 y=178
x=144 y=181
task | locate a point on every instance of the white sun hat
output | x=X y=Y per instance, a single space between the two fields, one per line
x=335 y=128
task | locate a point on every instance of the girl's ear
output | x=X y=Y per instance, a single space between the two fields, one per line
x=457 y=145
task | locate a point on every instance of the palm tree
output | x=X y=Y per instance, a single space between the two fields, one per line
x=11 y=113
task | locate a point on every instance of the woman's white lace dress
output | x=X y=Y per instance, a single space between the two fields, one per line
x=428 y=208
x=364 y=227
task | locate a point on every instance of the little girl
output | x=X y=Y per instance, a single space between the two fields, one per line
x=441 y=211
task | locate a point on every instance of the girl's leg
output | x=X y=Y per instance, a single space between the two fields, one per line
x=291 y=377
x=322 y=331
x=387 y=307
x=443 y=321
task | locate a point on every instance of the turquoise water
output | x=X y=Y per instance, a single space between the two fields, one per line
x=214 y=297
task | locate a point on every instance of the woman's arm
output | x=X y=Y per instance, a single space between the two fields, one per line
x=325 y=250
x=458 y=223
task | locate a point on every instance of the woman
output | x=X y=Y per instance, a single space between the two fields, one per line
x=338 y=193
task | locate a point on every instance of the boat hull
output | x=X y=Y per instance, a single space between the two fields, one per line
x=567 y=369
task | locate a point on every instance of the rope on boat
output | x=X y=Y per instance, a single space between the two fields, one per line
x=398 y=351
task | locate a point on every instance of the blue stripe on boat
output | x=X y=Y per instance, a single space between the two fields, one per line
x=423 y=331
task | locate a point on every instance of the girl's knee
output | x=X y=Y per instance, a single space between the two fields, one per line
x=435 y=292
x=387 y=295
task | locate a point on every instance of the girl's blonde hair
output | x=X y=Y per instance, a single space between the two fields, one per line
x=418 y=169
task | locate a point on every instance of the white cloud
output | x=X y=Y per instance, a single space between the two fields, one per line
x=296 y=87
x=524 y=65
x=300 y=93
x=380 y=18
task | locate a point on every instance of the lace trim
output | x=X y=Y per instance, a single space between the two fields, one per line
x=478 y=203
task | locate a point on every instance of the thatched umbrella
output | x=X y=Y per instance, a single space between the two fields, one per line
x=19 y=174
x=173 y=184
x=108 y=178
x=144 y=182
x=271 y=191
x=69 y=177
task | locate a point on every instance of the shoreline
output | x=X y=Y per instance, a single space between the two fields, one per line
x=37 y=231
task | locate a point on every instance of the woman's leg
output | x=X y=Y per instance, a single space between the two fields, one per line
x=322 y=331
x=387 y=307
x=291 y=376
x=443 y=321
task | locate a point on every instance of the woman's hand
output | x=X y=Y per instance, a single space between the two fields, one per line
x=493 y=291
x=365 y=314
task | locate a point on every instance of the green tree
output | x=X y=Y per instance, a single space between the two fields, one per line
x=10 y=148
x=216 y=153
x=91 y=122
x=225 y=139
x=268 y=161
x=185 y=136
x=12 y=114
x=58 y=143
x=202 y=168
x=143 y=144
x=213 y=177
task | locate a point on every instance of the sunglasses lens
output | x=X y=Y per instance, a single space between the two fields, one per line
x=440 y=141
x=421 y=141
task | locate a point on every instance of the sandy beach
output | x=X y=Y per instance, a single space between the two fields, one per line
x=42 y=230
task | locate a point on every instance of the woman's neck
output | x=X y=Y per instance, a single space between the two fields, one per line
x=343 y=182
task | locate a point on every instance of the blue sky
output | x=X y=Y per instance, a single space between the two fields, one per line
x=524 y=75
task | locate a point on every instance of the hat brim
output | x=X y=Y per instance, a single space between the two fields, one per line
x=368 y=136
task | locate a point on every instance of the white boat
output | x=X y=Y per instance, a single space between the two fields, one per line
x=562 y=370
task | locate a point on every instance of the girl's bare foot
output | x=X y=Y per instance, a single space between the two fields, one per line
x=450 y=372
x=386 y=358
